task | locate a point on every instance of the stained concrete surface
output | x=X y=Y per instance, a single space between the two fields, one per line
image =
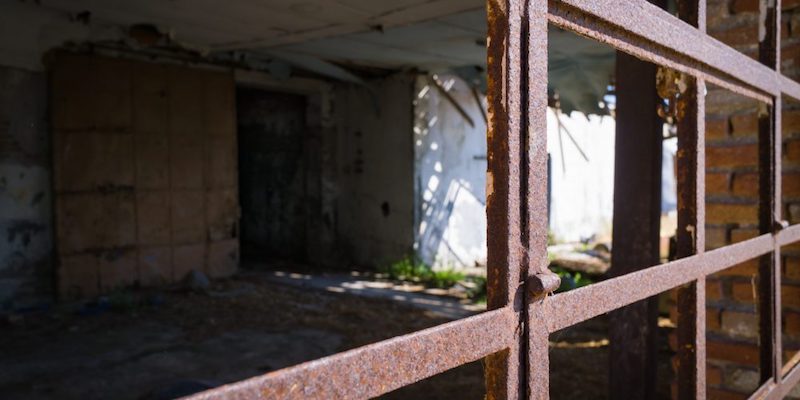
x=154 y=360
x=26 y=228
x=438 y=301
x=149 y=343
x=139 y=348
x=144 y=169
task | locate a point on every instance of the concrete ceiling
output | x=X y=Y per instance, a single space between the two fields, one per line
x=250 y=24
x=430 y=35
x=452 y=40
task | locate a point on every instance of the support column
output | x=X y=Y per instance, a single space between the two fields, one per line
x=637 y=211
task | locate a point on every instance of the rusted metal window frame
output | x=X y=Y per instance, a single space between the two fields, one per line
x=513 y=334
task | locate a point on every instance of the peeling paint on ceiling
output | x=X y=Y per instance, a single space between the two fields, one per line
x=431 y=35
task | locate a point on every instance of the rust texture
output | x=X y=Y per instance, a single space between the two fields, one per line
x=769 y=205
x=535 y=210
x=691 y=240
x=541 y=285
x=690 y=235
x=505 y=258
x=569 y=308
x=668 y=34
x=379 y=368
x=578 y=21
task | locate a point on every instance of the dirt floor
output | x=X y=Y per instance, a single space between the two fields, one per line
x=159 y=345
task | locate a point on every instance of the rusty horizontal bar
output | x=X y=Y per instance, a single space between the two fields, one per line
x=773 y=391
x=789 y=366
x=574 y=20
x=763 y=391
x=790 y=87
x=788 y=382
x=569 y=308
x=642 y=19
x=381 y=367
x=788 y=235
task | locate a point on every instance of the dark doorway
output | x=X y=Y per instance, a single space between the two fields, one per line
x=272 y=130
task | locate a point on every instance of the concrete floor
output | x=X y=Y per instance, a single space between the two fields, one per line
x=144 y=349
x=238 y=329
x=437 y=301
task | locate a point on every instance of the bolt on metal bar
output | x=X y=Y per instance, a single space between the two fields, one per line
x=690 y=235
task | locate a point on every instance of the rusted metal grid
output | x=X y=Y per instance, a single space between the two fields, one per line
x=513 y=335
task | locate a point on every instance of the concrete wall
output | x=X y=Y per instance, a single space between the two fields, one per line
x=374 y=158
x=145 y=173
x=28 y=31
x=449 y=175
x=25 y=194
x=582 y=191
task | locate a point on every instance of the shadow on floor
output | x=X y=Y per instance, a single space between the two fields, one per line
x=238 y=328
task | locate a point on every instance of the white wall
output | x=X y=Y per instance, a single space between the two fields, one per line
x=449 y=176
x=582 y=191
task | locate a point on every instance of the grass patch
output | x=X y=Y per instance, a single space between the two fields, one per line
x=476 y=289
x=414 y=270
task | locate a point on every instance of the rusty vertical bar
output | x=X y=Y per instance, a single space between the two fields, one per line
x=768 y=295
x=769 y=143
x=691 y=332
x=777 y=193
x=503 y=373
x=536 y=182
x=691 y=240
x=635 y=236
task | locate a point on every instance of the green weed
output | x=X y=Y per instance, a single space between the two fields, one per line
x=570 y=280
x=414 y=270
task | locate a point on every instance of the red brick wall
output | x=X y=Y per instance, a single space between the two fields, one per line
x=732 y=203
